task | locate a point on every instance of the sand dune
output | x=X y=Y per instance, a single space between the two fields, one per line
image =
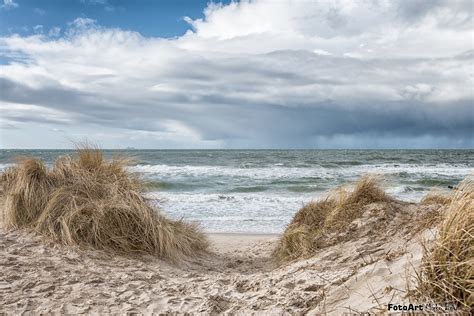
x=238 y=276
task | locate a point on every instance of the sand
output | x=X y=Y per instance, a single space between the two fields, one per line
x=237 y=276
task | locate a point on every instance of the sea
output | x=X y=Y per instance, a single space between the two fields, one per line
x=259 y=191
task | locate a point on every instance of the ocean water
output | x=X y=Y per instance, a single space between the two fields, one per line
x=258 y=191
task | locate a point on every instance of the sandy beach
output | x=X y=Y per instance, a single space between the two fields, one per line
x=238 y=275
x=237 y=157
x=77 y=239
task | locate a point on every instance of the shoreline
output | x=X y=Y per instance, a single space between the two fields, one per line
x=243 y=235
x=236 y=242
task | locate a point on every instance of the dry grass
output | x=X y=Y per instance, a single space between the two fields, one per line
x=436 y=197
x=430 y=209
x=331 y=214
x=89 y=201
x=447 y=270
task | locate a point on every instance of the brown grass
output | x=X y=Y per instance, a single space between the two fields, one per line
x=447 y=269
x=436 y=197
x=430 y=209
x=89 y=201
x=331 y=214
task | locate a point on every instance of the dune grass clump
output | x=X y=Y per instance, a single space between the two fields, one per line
x=89 y=201
x=331 y=214
x=447 y=269
x=26 y=189
x=430 y=209
x=436 y=197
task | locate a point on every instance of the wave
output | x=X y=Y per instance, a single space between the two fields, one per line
x=239 y=211
x=444 y=182
x=5 y=166
x=282 y=172
x=264 y=212
x=256 y=188
x=305 y=188
x=241 y=218
x=151 y=185
x=237 y=197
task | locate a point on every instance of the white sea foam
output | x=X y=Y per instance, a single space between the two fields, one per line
x=4 y=166
x=257 y=212
x=243 y=212
x=278 y=171
x=271 y=211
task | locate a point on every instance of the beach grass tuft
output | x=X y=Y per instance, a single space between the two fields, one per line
x=447 y=269
x=430 y=209
x=436 y=197
x=331 y=214
x=86 y=200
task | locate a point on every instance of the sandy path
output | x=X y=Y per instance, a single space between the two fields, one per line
x=238 y=277
x=45 y=277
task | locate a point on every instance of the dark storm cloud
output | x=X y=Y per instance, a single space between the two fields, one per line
x=326 y=120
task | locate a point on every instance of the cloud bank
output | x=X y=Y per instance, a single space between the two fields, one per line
x=259 y=74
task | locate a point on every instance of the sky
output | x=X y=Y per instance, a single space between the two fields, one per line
x=249 y=74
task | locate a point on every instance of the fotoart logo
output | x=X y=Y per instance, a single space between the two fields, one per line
x=409 y=307
x=426 y=307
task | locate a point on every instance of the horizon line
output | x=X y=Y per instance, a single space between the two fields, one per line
x=222 y=149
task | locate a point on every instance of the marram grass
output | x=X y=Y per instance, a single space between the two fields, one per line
x=436 y=197
x=89 y=201
x=331 y=214
x=447 y=269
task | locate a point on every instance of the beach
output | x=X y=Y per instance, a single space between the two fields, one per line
x=80 y=237
x=238 y=275
x=237 y=157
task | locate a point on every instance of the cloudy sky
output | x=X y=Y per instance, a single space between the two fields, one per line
x=258 y=74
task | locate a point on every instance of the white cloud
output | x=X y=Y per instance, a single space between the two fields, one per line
x=9 y=4
x=385 y=28
x=259 y=74
x=82 y=23
x=14 y=111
